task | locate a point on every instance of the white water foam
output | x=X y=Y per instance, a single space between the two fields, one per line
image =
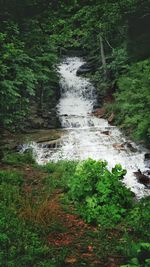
x=86 y=135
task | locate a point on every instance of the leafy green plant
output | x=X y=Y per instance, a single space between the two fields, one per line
x=141 y=253
x=98 y=193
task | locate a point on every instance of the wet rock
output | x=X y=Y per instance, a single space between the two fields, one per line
x=91 y=123
x=96 y=106
x=18 y=148
x=111 y=118
x=100 y=112
x=85 y=68
x=119 y=146
x=147 y=160
x=106 y=132
x=142 y=178
x=147 y=156
x=130 y=146
x=147 y=172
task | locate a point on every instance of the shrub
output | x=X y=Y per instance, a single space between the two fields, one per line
x=98 y=193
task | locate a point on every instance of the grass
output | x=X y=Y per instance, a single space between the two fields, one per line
x=18 y=158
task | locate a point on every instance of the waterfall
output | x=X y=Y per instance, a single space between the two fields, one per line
x=85 y=135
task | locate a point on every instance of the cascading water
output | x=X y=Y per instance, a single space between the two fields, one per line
x=85 y=135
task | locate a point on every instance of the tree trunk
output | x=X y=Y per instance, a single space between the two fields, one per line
x=103 y=58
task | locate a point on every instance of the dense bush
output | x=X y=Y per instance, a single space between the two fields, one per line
x=99 y=193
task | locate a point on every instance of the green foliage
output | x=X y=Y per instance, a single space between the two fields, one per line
x=26 y=71
x=12 y=178
x=140 y=252
x=138 y=219
x=21 y=242
x=33 y=33
x=98 y=193
x=135 y=244
x=59 y=174
x=17 y=81
x=118 y=63
x=133 y=101
x=19 y=245
x=18 y=158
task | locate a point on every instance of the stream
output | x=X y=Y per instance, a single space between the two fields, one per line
x=86 y=136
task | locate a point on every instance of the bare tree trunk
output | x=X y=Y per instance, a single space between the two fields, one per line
x=103 y=57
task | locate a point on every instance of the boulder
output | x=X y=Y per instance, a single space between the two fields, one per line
x=106 y=132
x=130 y=147
x=142 y=178
x=85 y=68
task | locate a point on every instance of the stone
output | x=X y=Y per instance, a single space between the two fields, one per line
x=100 y=112
x=111 y=118
x=142 y=178
x=85 y=68
x=130 y=146
x=119 y=146
x=147 y=156
x=106 y=132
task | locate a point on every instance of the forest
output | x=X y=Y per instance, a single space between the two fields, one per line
x=72 y=213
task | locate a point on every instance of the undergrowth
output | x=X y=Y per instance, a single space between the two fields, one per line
x=32 y=209
x=18 y=158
